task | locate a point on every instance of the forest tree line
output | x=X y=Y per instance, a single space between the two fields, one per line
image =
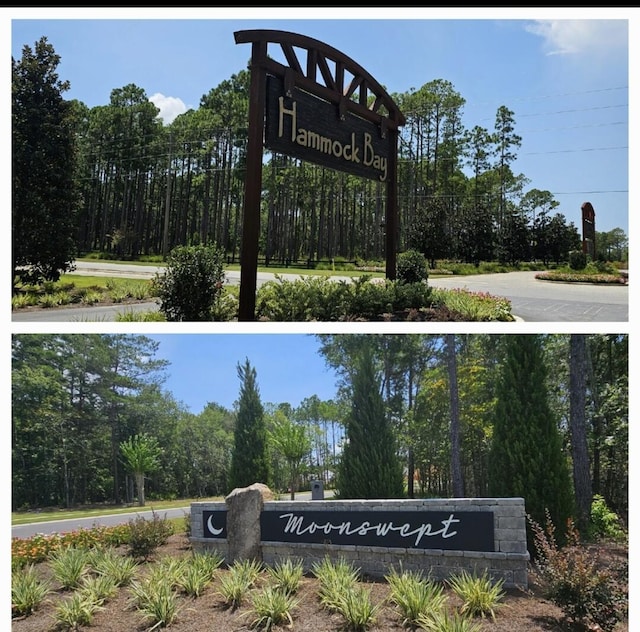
x=77 y=398
x=138 y=188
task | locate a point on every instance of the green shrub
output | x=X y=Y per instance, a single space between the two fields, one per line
x=588 y=594
x=577 y=260
x=411 y=267
x=191 y=284
x=604 y=522
x=147 y=535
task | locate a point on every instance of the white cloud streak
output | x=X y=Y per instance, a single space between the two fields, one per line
x=581 y=37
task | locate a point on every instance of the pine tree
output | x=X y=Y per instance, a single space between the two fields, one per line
x=250 y=457
x=44 y=193
x=526 y=458
x=370 y=467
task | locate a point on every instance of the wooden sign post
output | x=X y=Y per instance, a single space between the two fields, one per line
x=330 y=112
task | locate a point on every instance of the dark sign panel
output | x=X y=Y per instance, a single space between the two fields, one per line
x=447 y=530
x=214 y=524
x=309 y=128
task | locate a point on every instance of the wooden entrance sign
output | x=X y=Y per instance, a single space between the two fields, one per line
x=330 y=112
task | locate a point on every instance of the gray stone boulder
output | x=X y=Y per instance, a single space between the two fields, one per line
x=244 y=505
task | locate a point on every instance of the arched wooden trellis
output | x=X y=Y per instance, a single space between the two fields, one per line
x=342 y=97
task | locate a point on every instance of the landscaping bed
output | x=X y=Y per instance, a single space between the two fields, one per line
x=518 y=611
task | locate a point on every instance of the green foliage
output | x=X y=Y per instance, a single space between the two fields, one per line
x=250 y=459
x=414 y=595
x=588 y=594
x=141 y=453
x=445 y=621
x=98 y=588
x=192 y=283
x=411 y=267
x=480 y=595
x=69 y=566
x=577 y=260
x=604 y=522
x=45 y=195
x=207 y=561
x=526 y=458
x=335 y=578
x=157 y=601
x=28 y=591
x=370 y=467
x=147 y=535
x=475 y=306
x=271 y=607
x=40 y=547
x=235 y=584
x=357 y=609
x=286 y=575
x=76 y=611
x=108 y=563
x=193 y=580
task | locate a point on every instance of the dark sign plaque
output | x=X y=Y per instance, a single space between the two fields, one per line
x=214 y=524
x=309 y=128
x=447 y=530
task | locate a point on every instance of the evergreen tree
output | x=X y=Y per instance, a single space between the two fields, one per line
x=370 y=467
x=250 y=457
x=44 y=194
x=526 y=458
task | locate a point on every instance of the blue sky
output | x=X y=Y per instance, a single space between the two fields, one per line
x=566 y=79
x=203 y=367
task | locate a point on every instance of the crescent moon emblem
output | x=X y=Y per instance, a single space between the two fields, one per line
x=211 y=528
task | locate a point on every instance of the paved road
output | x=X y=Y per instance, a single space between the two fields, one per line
x=64 y=526
x=531 y=300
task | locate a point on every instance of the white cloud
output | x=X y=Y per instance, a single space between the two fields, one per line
x=573 y=37
x=170 y=107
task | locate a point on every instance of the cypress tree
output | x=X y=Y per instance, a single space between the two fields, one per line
x=526 y=457
x=250 y=458
x=370 y=467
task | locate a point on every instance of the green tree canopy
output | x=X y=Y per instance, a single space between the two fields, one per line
x=45 y=198
x=370 y=467
x=526 y=457
x=141 y=454
x=250 y=457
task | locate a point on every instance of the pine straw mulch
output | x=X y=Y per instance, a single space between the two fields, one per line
x=519 y=611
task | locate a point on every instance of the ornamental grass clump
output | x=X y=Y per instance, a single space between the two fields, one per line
x=334 y=579
x=414 y=595
x=446 y=621
x=28 y=591
x=69 y=565
x=286 y=575
x=357 y=608
x=75 y=611
x=235 y=584
x=480 y=595
x=271 y=607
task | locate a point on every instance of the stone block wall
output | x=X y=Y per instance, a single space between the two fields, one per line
x=508 y=561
